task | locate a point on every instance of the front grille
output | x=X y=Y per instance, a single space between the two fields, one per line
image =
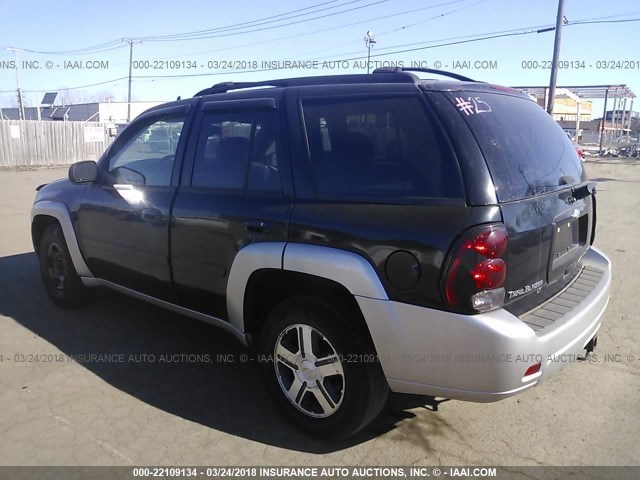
x=548 y=313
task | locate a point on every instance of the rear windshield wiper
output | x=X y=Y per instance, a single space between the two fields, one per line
x=584 y=190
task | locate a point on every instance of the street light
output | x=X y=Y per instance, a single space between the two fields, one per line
x=369 y=41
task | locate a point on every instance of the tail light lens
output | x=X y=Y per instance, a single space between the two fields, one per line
x=476 y=272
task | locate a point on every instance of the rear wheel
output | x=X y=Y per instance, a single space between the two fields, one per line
x=57 y=271
x=320 y=371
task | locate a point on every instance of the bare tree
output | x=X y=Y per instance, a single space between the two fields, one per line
x=8 y=101
x=69 y=97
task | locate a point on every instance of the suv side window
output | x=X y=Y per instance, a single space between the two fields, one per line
x=238 y=151
x=378 y=147
x=147 y=157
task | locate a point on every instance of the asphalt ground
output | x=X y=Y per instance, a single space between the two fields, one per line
x=60 y=406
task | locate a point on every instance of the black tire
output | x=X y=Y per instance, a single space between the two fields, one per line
x=353 y=397
x=58 y=274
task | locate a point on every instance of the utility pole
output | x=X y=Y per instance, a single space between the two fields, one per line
x=20 y=100
x=130 y=41
x=556 y=56
x=369 y=41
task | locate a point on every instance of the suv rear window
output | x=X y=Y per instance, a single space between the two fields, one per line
x=378 y=148
x=527 y=152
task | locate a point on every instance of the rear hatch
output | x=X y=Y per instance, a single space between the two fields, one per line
x=547 y=204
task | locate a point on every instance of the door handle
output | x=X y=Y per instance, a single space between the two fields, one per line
x=258 y=227
x=151 y=214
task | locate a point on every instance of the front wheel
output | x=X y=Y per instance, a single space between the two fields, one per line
x=62 y=282
x=321 y=370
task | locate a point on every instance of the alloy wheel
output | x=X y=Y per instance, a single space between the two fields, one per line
x=309 y=371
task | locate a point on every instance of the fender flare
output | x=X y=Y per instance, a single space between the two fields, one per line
x=60 y=212
x=248 y=260
x=349 y=269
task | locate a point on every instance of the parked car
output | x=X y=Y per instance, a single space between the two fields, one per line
x=578 y=148
x=365 y=233
x=162 y=139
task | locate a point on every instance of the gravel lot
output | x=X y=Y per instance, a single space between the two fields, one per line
x=60 y=412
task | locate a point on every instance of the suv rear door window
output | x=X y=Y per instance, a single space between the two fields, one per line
x=378 y=147
x=526 y=151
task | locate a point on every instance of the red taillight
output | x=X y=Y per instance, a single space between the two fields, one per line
x=476 y=273
x=490 y=243
x=489 y=274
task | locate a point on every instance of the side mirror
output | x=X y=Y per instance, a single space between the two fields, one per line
x=83 y=172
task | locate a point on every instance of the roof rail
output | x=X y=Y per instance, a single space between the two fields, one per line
x=226 y=86
x=444 y=73
x=383 y=76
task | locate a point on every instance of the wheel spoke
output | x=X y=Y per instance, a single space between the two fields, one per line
x=286 y=356
x=306 y=343
x=329 y=366
x=297 y=389
x=323 y=398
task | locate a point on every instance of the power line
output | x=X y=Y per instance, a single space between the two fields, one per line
x=386 y=17
x=461 y=37
x=433 y=18
x=79 y=86
x=605 y=21
x=237 y=72
x=118 y=43
x=266 y=28
x=190 y=75
x=323 y=30
x=254 y=23
x=92 y=52
x=460 y=42
x=608 y=16
x=489 y=37
x=547 y=26
x=289 y=37
x=463 y=40
x=116 y=46
x=92 y=49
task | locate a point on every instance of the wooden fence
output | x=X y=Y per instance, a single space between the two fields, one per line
x=31 y=143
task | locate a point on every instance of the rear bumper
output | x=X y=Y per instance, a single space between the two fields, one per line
x=483 y=358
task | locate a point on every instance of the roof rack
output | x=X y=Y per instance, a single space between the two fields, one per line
x=379 y=77
x=226 y=86
x=444 y=73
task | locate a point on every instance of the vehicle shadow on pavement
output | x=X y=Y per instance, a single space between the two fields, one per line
x=627 y=161
x=182 y=366
x=607 y=179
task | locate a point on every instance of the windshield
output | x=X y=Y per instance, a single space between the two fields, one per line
x=527 y=152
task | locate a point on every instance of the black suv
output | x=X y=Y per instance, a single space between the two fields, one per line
x=365 y=233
